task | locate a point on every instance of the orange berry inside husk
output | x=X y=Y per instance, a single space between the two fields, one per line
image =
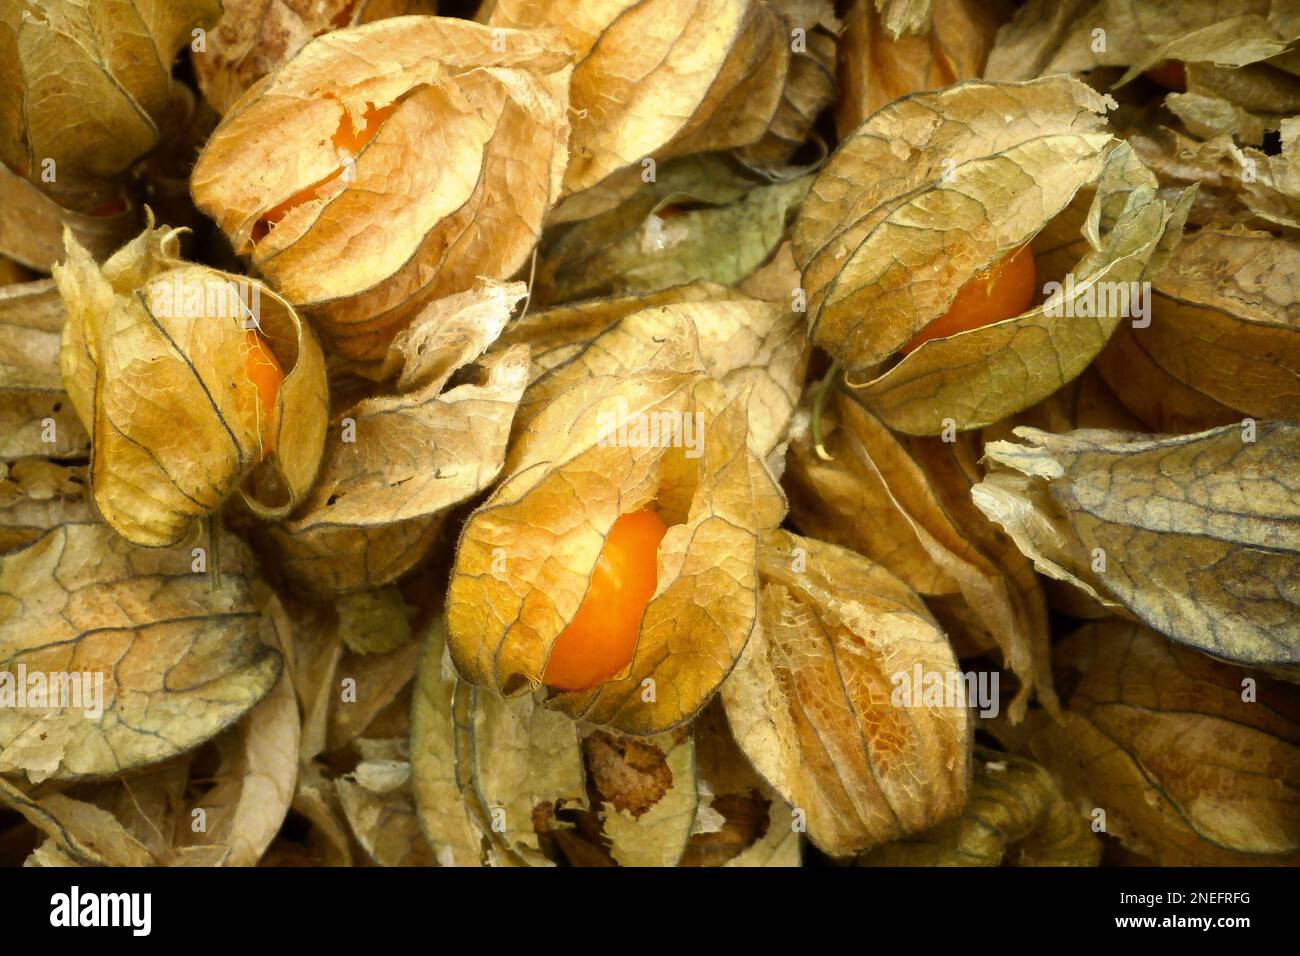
x=346 y=140
x=999 y=293
x=264 y=372
x=1171 y=74
x=601 y=639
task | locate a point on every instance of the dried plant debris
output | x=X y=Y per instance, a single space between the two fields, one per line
x=648 y=433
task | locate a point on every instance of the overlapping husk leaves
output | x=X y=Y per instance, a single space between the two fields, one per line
x=525 y=555
x=1021 y=595
x=395 y=463
x=905 y=503
x=961 y=178
x=812 y=703
x=656 y=79
x=1190 y=761
x=154 y=363
x=401 y=222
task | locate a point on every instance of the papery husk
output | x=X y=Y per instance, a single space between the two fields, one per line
x=1226 y=320
x=179 y=660
x=383 y=496
x=377 y=799
x=32 y=224
x=1159 y=402
x=172 y=411
x=755 y=350
x=658 y=79
x=254 y=38
x=527 y=765
x=810 y=87
x=1244 y=103
x=555 y=335
x=246 y=801
x=450 y=815
x=1234 y=184
x=732 y=224
x=1187 y=770
x=1085 y=402
x=1056 y=36
x=1193 y=535
x=905 y=503
x=1024 y=150
x=364 y=258
x=1017 y=815
x=88 y=85
x=77 y=833
x=384 y=679
x=647 y=794
x=740 y=821
x=811 y=700
x=490 y=774
x=525 y=555
x=876 y=66
x=33 y=404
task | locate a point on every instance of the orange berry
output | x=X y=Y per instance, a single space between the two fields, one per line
x=1000 y=293
x=1171 y=74
x=265 y=373
x=601 y=639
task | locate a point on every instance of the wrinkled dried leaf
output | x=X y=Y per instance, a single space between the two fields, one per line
x=648 y=794
x=390 y=476
x=179 y=661
x=1226 y=321
x=255 y=782
x=756 y=350
x=377 y=800
x=700 y=219
x=86 y=85
x=527 y=764
x=81 y=834
x=1056 y=36
x=32 y=224
x=441 y=775
x=1194 y=535
x=661 y=78
x=1016 y=815
x=380 y=682
x=740 y=821
x=810 y=701
x=1163 y=740
x=36 y=415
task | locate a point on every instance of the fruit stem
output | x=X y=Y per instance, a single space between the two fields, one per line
x=819 y=405
x=214 y=550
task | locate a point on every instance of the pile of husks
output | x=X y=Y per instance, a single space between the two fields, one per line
x=945 y=355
